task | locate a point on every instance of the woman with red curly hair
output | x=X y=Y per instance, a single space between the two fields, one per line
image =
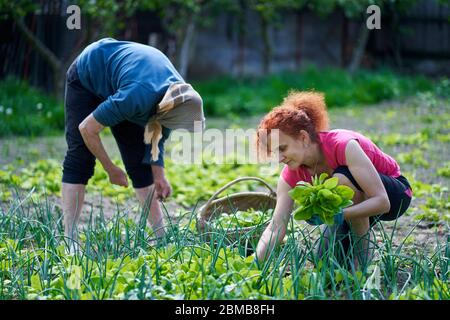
x=307 y=147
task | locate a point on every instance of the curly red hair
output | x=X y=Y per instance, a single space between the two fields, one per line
x=300 y=110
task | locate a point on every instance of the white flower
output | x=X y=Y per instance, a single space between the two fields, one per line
x=39 y=106
x=49 y=114
x=9 y=111
x=2 y=108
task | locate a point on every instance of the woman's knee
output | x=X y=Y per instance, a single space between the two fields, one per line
x=140 y=175
x=359 y=226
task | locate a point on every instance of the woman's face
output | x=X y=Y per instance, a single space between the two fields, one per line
x=292 y=151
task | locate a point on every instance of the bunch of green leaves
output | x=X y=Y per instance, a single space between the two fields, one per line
x=324 y=197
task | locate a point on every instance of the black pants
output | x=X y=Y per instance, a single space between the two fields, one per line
x=339 y=237
x=79 y=162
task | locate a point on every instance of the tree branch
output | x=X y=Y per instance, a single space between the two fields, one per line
x=40 y=47
x=358 y=51
x=185 y=47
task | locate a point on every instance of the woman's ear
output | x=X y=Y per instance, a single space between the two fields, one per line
x=304 y=138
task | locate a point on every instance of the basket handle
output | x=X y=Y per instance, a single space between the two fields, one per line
x=229 y=184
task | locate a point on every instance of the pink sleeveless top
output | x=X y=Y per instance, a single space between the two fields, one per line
x=333 y=145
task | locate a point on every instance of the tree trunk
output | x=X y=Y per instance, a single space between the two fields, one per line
x=186 y=43
x=359 y=49
x=55 y=64
x=267 y=48
x=396 y=40
x=344 y=41
x=241 y=24
x=298 y=39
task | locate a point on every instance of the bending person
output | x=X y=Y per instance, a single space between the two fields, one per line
x=136 y=91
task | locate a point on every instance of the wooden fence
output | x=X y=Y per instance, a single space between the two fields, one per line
x=422 y=34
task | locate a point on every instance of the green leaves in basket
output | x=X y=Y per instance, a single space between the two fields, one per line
x=242 y=219
x=324 y=197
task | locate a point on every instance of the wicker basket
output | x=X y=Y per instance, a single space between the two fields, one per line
x=237 y=201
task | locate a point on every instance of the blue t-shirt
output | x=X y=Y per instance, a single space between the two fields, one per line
x=130 y=77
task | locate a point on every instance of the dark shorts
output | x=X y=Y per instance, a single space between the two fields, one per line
x=79 y=162
x=398 y=191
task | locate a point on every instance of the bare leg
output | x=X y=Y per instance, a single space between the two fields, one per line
x=72 y=203
x=361 y=249
x=359 y=226
x=155 y=216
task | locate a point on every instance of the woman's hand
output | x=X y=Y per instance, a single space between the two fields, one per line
x=316 y=221
x=117 y=176
x=163 y=188
x=276 y=230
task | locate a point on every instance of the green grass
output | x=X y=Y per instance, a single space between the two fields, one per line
x=118 y=259
x=27 y=111
x=231 y=97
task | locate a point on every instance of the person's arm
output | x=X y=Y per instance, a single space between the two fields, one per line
x=90 y=130
x=366 y=175
x=276 y=230
x=130 y=100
